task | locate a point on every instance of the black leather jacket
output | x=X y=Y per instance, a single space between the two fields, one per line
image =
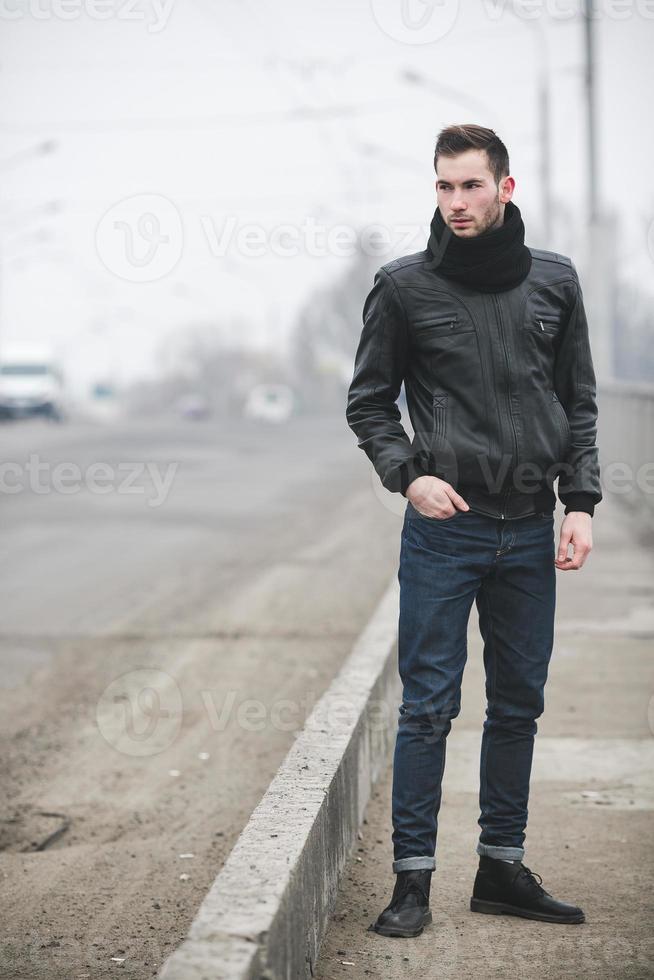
x=500 y=387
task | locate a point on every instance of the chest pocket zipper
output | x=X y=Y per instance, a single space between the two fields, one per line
x=547 y=325
x=438 y=326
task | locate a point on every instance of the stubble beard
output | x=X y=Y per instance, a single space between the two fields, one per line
x=488 y=221
x=492 y=218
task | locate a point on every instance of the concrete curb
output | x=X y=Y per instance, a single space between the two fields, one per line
x=265 y=915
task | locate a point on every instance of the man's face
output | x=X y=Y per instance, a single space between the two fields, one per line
x=469 y=200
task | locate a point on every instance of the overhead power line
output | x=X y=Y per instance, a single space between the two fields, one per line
x=301 y=114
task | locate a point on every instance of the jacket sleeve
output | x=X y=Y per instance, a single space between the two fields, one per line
x=574 y=381
x=379 y=368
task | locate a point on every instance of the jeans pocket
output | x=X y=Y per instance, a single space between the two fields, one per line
x=438 y=520
x=412 y=513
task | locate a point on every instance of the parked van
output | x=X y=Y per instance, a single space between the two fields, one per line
x=30 y=384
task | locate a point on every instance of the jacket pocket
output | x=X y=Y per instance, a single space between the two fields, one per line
x=441 y=462
x=562 y=422
x=547 y=324
x=446 y=324
x=439 y=414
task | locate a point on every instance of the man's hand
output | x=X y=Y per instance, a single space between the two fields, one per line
x=433 y=497
x=575 y=530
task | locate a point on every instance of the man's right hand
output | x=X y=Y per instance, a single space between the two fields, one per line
x=436 y=498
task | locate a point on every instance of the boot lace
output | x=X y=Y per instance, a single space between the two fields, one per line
x=411 y=885
x=530 y=877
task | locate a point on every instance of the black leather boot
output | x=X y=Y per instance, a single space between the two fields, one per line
x=509 y=888
x=408 y=910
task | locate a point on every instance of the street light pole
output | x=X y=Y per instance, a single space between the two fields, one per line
x=37 y=149
x=544 y=145
x=589 y=78
x=602 y=227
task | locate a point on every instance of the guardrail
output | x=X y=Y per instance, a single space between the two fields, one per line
x=626 y=444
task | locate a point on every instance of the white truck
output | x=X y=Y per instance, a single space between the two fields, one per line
x=31 y=383
x=270 y=403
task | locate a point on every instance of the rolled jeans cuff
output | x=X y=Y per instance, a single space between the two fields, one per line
x=500 y=853
x=415 y=864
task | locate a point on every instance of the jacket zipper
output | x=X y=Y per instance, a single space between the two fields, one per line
x=508 y=378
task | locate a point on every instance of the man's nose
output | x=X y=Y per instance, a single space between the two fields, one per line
x=458 y=204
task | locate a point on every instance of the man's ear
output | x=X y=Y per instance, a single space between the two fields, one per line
x=507 y=185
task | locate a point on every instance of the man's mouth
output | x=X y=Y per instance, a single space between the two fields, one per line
x=461 y=221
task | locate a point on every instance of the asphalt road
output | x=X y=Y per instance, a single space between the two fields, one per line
x=177 y=595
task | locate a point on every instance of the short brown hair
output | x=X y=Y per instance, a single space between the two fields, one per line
x=457 y=139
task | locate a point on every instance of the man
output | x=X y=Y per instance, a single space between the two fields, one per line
x=491 y=340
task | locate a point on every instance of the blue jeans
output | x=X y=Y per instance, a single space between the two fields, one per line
x=507 y=567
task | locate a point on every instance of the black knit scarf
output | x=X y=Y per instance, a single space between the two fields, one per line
x=492 y=262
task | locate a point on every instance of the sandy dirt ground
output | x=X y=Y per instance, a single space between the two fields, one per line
x=156 y=666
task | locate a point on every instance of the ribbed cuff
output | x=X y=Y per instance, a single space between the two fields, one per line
x=409 y=471
x=579 y=501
